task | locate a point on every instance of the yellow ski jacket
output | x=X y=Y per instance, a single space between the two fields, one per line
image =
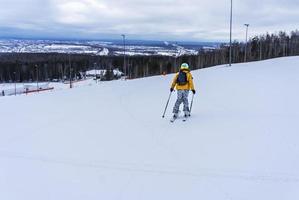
x=188 y=86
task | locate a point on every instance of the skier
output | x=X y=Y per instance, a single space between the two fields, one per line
x=183 y=82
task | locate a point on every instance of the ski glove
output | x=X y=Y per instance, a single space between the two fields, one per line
x=193 y=91
x=171 y=89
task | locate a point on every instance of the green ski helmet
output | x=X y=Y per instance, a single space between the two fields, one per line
x=185 y=66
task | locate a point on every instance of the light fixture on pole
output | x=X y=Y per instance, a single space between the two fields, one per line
x=245 y=56
x=230 y=38
x=124 y=43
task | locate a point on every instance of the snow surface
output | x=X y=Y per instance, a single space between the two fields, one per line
x=94 y=72
x=108 y=141
x=9 y=88
x=14 y=89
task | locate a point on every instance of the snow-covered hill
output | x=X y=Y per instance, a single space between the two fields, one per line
x=108 y=141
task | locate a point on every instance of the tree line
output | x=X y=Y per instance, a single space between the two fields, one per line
x=26 y=67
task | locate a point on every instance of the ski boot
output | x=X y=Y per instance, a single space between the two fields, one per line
x=174 y=117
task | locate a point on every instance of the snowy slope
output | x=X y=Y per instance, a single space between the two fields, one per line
x=108 y=141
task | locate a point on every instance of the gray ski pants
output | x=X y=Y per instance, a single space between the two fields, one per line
x=182 y=98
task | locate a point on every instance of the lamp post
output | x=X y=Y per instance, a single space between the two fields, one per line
x=95 y=72
x=15 y=83
x=176 y=54
x=36 y=67
x=230 y=34
x=245 y=56
x=124 y=43
x=260 y=48
x=71 y=86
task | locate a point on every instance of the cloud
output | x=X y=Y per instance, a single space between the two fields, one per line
x=148 y=19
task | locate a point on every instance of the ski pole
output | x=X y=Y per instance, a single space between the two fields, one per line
x=191 y=104
x=166 y=105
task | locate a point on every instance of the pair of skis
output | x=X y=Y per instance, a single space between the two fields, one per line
x=175 y=118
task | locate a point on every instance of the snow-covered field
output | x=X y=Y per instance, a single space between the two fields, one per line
x=108 y=141
x=20 y=88
x=103 y=48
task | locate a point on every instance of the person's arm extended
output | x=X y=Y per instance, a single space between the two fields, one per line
x=174 y=81
x=191 y=82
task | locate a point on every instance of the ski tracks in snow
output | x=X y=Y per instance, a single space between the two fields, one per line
x=157 y=132
x=161 y=170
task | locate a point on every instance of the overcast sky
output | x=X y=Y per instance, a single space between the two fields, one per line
x=193 y=20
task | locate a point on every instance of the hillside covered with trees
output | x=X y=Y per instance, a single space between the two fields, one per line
x=24 y=67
